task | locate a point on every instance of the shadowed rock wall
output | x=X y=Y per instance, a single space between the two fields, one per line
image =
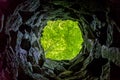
x=22 y=56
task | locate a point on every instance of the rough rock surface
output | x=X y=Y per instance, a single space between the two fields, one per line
x=22 y=56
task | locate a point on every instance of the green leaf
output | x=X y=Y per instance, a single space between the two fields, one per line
x=61 y=40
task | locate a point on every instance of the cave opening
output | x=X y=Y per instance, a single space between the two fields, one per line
x=61 y=39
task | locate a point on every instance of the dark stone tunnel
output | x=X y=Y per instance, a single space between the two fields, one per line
x=22 y=56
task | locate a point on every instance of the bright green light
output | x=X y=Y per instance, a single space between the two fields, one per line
x=61 y=39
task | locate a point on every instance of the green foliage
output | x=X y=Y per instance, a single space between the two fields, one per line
x=61 y=40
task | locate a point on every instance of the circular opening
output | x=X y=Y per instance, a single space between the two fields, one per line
x=61 y=39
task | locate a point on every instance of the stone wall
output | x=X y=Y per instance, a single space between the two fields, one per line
x=22 y=56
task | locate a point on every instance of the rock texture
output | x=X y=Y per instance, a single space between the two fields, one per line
x=22 y=56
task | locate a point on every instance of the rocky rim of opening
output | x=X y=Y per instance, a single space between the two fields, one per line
x=21 y=55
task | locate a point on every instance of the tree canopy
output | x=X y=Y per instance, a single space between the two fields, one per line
x=61 y=39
